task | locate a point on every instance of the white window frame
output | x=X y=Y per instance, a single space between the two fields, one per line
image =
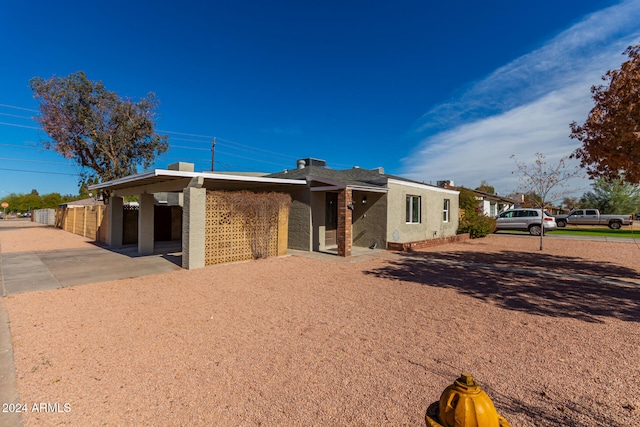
x=409 y=214
x=446 y=208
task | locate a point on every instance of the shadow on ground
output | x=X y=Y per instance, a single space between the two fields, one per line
x=169 y=250
x=557 y=286
x=565 y=413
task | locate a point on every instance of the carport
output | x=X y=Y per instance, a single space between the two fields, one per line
x=188 y=189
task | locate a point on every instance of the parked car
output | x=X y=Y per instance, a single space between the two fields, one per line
x=593 y=217
x=525 y=219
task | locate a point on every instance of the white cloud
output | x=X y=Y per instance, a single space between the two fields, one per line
x=524 y=107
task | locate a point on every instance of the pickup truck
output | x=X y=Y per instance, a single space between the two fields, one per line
x=593 y=217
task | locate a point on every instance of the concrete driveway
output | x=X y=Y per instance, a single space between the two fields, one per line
x=42 y=270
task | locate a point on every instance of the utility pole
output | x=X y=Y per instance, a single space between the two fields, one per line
x=213 y=154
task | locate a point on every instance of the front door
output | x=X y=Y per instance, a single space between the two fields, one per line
x=330 y=219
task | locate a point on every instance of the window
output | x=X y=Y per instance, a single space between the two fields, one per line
x=413 y=209
x=445 y=211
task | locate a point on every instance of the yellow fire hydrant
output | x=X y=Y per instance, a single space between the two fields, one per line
x=464 y=404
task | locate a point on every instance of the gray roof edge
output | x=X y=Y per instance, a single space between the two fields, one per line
x=184 y=174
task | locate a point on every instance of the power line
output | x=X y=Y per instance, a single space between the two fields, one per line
x=21 y=146
x=234 y=145
x=19 y=108
x=32 y=171
x=256 y=148
x=19 y=126
x=35 y=161
x=250 y=158
x=185 y=134
x=15 y=115
x=190 y=140
x=229 y=144
x=190 y=148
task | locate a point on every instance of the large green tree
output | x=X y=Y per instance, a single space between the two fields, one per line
x=108 y=136
x=30 y=201
x=611 y=133
x=612 y=197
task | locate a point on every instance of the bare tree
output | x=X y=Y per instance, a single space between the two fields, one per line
x=548 y=182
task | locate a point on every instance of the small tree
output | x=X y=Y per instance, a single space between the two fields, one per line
x=570 y=202
x=107 y=136
x=547 y=182
x=611 y=133
x=531 y=200
x=486 y=188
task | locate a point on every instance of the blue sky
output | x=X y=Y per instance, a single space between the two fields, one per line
x=426 y=90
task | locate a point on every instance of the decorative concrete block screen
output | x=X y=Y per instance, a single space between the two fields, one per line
x=242 y=225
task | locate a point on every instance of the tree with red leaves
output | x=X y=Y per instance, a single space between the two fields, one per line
x=611 y=133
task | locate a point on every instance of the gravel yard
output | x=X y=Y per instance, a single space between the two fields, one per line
x=553 y=337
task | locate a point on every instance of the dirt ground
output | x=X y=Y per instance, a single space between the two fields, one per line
x=552 y=336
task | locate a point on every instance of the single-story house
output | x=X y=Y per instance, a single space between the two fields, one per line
x=91 y=201
x=330 y=210
x=489 y=204
x=365 y=208
x=492 y=204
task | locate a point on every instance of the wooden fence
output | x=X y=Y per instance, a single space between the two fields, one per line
x=86 y=221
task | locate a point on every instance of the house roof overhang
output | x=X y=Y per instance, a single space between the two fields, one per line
x=161 y=180
x=423 y=186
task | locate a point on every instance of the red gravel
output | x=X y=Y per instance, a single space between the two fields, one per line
x=552 y=336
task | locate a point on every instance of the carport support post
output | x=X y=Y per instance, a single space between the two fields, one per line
x=193 y=227
x=145 y=224
x=114 y=235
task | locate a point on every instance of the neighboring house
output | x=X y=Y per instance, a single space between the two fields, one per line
x=81 y=203
x=519 y=200
x=492 y=204
x=330 y=210
x=489 y=204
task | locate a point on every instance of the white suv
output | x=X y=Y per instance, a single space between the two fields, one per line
x=525 y=219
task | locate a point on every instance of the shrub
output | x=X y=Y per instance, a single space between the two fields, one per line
x=477 y=225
